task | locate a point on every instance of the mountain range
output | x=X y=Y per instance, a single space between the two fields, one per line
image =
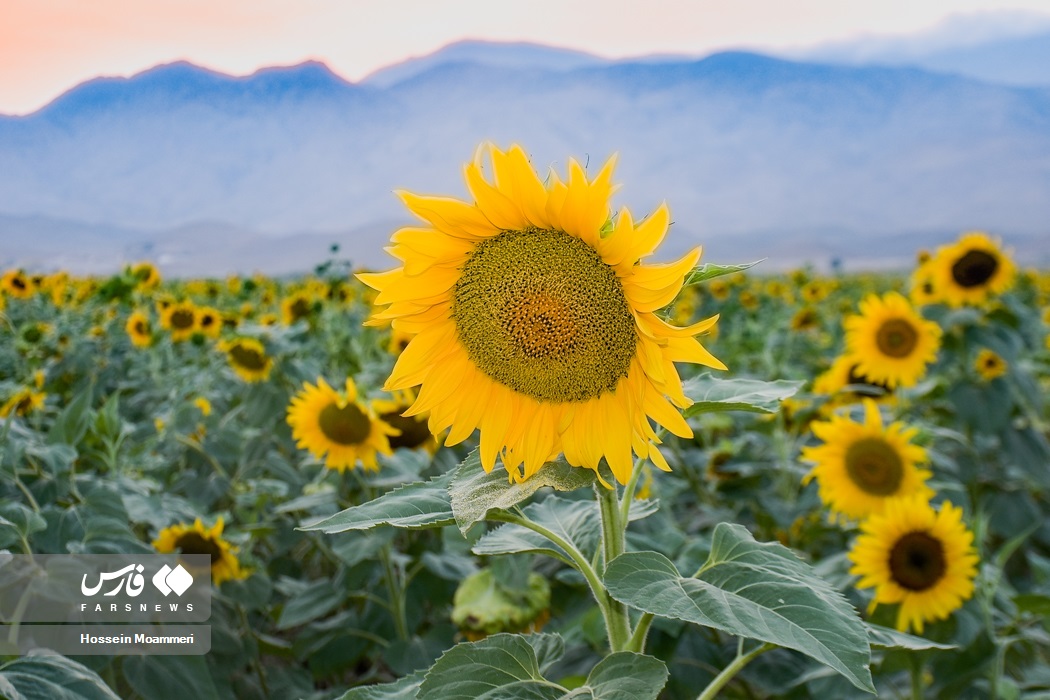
x=758 y=157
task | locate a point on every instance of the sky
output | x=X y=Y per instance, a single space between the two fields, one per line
x=49 y=46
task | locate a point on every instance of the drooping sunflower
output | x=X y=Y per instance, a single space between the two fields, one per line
x=146 y=275
x=17 y=284
x=918 y=557
x=415 y=429
x=138 y=329
x=862 y=465
x=180 y=318
x=248 y=359
x=968 y=271
x=989 y=364
x=337 y=426
x=23 y=402
x=890 y=341
x=198 y=539
x=535 y=322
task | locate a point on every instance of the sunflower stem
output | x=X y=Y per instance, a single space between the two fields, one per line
x=613 y=545
x=727 y=674
x=916 y=677
x=629 y=489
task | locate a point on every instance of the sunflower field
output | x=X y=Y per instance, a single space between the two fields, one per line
x=527 y=463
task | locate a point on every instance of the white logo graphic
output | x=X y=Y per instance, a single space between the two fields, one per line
x=134 y=580
x=167 y=580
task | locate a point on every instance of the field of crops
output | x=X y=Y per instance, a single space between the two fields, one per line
x=858 y=503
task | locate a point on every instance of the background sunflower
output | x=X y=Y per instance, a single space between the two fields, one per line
x=971 y=269
x=890 y=342
x=198 y=539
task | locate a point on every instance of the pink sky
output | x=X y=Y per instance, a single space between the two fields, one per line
x=48 y=46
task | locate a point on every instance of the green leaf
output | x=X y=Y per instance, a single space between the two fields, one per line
x=474 y=493
x=754 y=590
x=406 y=688
x=753 y=395
x=575 y=521
x=40 y=676
x=624 y=675
x=72 y=423
x=887 y=638
x=170 y=677
x=316 y=600
x=707 y=271
x=470 y=670
x=415 y=506
x=1033 y=603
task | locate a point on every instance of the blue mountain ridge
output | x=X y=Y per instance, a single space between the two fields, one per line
x=744 y=147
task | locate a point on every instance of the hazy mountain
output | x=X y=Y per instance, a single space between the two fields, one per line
x=756 y=156
x=1008 y=47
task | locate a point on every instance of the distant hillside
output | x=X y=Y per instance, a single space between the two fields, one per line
x=743 y=147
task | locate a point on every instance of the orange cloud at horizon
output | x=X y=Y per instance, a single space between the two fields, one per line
x=48 y=46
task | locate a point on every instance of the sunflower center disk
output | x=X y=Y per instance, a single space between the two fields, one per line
x=540 y=312
x=974 y=268
x=917 y=561
x=896 y=338
x=874 y=466
x=182 y=319
x=414 y=432
x=195 y=543
x=345 y=426
x=249 y=358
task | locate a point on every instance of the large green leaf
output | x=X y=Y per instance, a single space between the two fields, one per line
x=413 y=506
x=406 y=688
x=474 y=492
x=506 y=665
x=577 y=522
x=754 y=590
x=51 y=677
x=753 y=395
x=624 y=675
x=892 y=639
x=170 y=677
x=707 y=271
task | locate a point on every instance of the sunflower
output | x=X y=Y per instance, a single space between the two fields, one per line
x=989 y=364
x=337 y=426
x=844 y=377
x=203 y=405
x=295 y=307
x=248 y=358
x=16 y=284
x=890 y=341
x=923 y=291
x=535 y=322
x=862 y=465
x=181 y=319
x=971 y=269
x=138 y=329
x=197 y=539
x=209 y=321
x=23 y=402
x=145 y=274
x=414 y=430
x=918 y=557
x=805 y=319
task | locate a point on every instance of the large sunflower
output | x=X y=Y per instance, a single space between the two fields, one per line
x=198 y=539
x=971 y=269
x=535 y=322
x=338 y=427
x=890 y=341
x=918 y=557
x=861 y=465
x=248 y=359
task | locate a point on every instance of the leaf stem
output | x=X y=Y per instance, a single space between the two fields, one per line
x=731 y=670
x=613 y=545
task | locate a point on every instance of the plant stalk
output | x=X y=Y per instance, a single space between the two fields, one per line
x=727 y=674
x=613 y=545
